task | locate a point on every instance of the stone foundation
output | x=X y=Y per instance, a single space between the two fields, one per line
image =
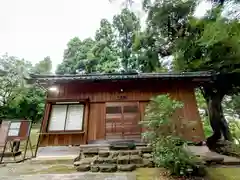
x=102 y=160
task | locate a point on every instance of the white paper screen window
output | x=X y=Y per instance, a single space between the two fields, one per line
x=57 y=118
x=74 y=120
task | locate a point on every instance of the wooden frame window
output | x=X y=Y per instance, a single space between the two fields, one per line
x=66 y=117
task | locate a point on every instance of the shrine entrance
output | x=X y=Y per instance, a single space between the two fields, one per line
x=122 y=121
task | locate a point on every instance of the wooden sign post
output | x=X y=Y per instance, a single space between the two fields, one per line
x=4 y=128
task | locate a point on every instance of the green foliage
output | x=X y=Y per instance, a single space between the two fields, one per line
x=209 y=43
x=234 y=125
x=127 y=25
x=78 y=57
x=19 y=101
x=105 y=49
x=207 y=127
x=202 y=106
x=43 y=67
x=168 y=149
x=231 y=110
x=119 y=46
x=158 y=114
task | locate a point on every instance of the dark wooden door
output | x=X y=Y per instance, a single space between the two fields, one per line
x=122 y=121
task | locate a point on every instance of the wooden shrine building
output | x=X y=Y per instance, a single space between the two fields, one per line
x=84 y=108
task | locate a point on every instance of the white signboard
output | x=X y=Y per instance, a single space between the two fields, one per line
x=13 y=132
x=74 y=119
x=57 y=118
x=14 y=129
x=15 y=125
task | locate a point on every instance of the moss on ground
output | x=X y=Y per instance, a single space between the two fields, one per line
x=53 y=169
x=224 y=173
x=58 y=169
x=214 y=173
x=66 y=161
x=152 y=173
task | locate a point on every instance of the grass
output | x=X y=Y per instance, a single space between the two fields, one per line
x=55 y=169
x=152 y=173
x=224 y=173
x=33 y=138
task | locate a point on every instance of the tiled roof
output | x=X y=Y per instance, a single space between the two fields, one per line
x=131 y=76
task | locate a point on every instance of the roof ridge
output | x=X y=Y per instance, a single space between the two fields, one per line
x=119 y=74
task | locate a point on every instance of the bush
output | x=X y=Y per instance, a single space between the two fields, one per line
x=168 y=148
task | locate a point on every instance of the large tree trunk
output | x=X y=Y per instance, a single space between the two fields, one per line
x=218 y=122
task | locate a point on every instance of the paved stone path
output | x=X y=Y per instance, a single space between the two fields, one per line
x=74 y=176
x=30 y=171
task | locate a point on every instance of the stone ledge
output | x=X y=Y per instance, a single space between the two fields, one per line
x=127 y=167
x=83 y=168
x=107 y=168
x=114 y=160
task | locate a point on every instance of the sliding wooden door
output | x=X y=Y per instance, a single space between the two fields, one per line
x=122 y=121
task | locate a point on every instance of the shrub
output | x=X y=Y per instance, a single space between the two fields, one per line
x=168 y=148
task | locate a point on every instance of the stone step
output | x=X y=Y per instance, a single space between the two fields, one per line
x=109 y=167
x=99 y=157
x=107 y=145
x=125 y=161
x=52 y=160
x=212 y=158
x=136 y=141
x=95 y=146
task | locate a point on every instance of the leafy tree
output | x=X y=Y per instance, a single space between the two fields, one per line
x=19 y=101
x=127 y=25
x=210 y=43
x=112 y=49
x=214 y=48
x=105 y=49
x=12 y=82
x=78 y=57
x=146 y=49
x=43 y=67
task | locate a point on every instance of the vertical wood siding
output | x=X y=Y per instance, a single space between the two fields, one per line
x=96 y=125
x=97 y=94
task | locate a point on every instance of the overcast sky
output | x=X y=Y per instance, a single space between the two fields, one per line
x=34 y=29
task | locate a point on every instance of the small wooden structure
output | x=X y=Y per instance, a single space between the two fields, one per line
x=84 y=108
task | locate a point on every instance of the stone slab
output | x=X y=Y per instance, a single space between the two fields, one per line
x=203 y=151
x=58 y=151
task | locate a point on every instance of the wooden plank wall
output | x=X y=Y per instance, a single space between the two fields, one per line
x=192 y=128
x=61 y=139
x=98 y=94
x=96 y=122
x=107 y=92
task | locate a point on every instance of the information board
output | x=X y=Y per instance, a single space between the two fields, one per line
x=74 y=119
x=14 y=129
x=57 y=118
x=19 y=129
